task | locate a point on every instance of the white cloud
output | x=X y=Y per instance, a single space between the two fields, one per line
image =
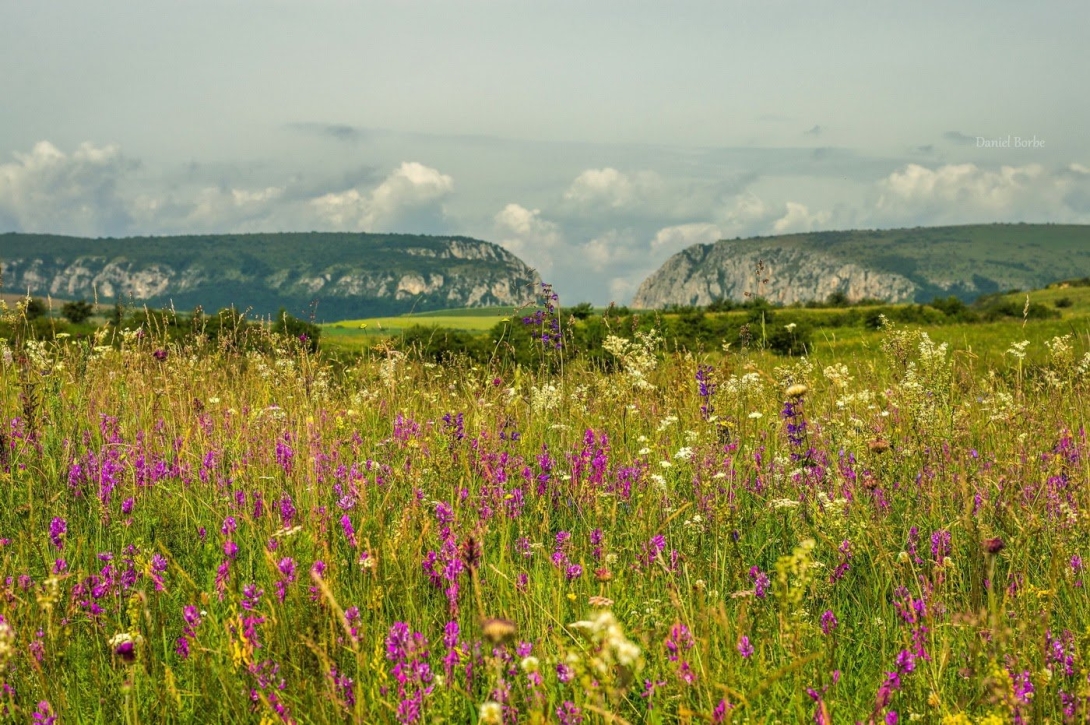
x=621 y=289
x=524 y=233
x=962 y=193
x=608 y=249
x=613 y=189
x=673 y=239
x=799 y=219
x=615 y=197
x=959 y=183
x=213 y=209
x=412 y=187
x=47 y=190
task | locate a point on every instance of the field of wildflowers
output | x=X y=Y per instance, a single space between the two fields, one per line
x=193 y=533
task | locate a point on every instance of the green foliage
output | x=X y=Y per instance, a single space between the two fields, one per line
x=307 y=333
x=34 y=308
x=77 y=311
x=791 y=339
x=262 y=272
x=581 y=311
x=439 y=344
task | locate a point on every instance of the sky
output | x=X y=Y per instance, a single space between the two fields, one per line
x=594 y=139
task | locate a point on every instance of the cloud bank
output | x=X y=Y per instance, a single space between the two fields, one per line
x=596 y=230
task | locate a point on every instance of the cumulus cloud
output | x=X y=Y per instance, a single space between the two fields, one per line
x=748 y=214
x=525 y=234
x=47 y=190
x=613 y=189
x=411 y=189
x=966 y=192
x=799 y=219
x=673 y=239
x=616 y=197
x=608 y=249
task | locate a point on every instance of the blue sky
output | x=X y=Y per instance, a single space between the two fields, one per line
x=592 y=138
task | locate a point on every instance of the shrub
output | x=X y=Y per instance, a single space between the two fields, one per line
x=790 y=339
x=77 y=311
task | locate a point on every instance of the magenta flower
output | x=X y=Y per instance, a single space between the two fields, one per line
x=58 y=529
x=745 y=648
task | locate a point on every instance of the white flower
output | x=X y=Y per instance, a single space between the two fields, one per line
x=756 y=415
x=491 y=713
x=684 y=454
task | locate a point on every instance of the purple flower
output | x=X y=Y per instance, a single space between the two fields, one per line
x=126 y=651
x=58 y=529
x=828 y=622
x=745 y=648
x=287 y=510
x=569 y=714
x=940 y=545
x=760 y=582
x=251 y=595
x=43 y=715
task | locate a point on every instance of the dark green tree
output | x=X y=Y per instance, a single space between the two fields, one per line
x=34 y=308
x=78 y=311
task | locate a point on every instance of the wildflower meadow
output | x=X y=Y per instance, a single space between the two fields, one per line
x=196 y=532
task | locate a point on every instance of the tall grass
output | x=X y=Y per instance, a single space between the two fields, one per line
x=194 y=534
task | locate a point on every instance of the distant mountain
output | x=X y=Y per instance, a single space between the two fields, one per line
x=897 y=265
x=338 y=276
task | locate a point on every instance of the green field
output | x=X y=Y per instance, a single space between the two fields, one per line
x=243 y=528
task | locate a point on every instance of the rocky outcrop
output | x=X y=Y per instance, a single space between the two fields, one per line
x=356 y=274
x=701 y=274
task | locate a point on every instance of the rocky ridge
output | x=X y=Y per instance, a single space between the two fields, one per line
x=369 y=276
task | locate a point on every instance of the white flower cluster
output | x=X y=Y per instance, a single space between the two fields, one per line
x=545 y=398
x=611 y=647
x=838 y=375
x=1017 y=350
x=750 y=383
x=639 y=357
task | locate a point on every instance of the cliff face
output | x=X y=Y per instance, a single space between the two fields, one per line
x=896 y=265
x=700 y=275
x=350 y=275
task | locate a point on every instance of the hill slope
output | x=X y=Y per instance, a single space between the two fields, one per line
x=348 y=275
x=897 y=265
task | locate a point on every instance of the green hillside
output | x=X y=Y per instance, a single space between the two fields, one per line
x=327 y=275
x=899 y=265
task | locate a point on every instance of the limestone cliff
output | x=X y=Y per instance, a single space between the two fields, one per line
x=341 y=275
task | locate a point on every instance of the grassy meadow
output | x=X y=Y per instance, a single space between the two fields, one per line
x=890 y=529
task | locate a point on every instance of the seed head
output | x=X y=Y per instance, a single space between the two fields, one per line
x=796 y=391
